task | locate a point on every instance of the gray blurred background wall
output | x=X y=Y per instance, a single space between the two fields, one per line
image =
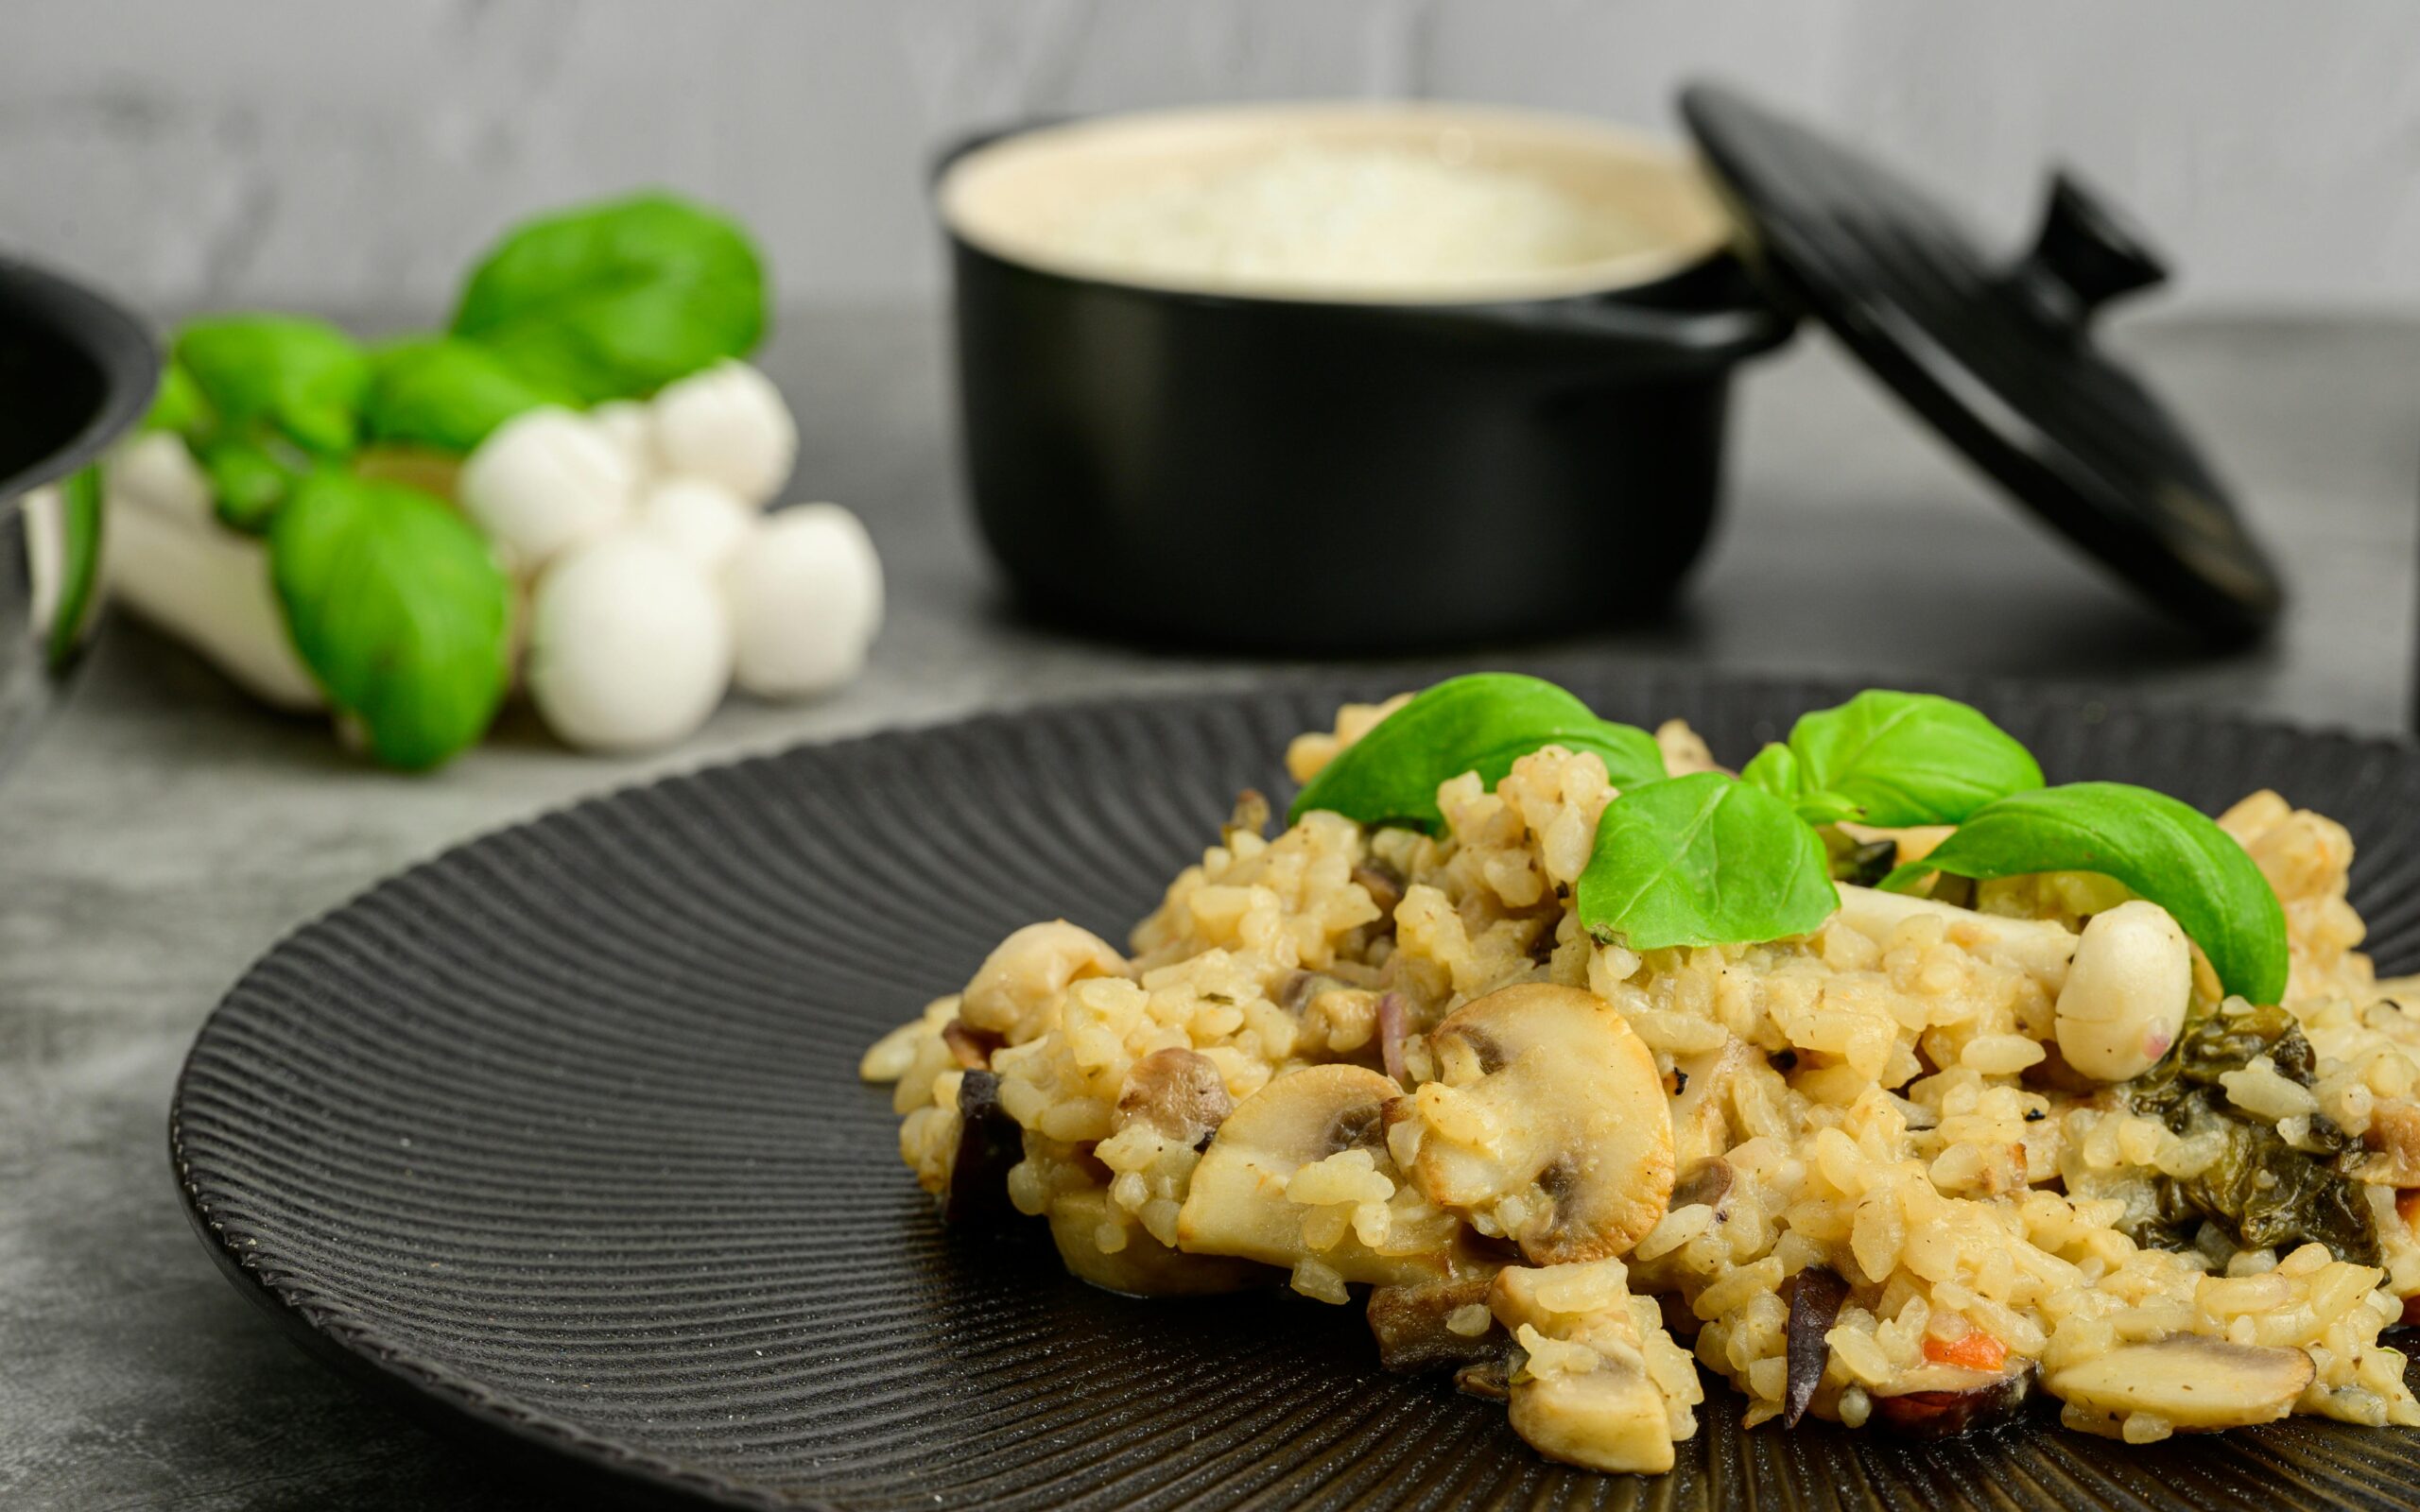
x=341 y=154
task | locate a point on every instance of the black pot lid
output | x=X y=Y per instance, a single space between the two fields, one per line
x=1997 y=355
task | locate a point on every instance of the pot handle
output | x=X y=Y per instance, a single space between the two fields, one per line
x=1644 y=334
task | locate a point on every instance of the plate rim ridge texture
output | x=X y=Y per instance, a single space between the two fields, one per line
x=556 y=1136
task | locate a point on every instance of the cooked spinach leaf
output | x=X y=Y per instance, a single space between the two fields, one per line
x=2262 y=1192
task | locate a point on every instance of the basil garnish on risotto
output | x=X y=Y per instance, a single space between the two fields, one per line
x=1482 y=723
x=2165 y=849
x=1704 y=860
x=1892 y=760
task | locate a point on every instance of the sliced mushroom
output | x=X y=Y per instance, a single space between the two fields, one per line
x=970 y=1048
x=1602 y=1411
x=1415 y=1326
x=1237 y=1202
x=1489 y=1381
x=1816 y=1296
x=1141 y=1266
x=1018 y=984
x=1177 y=1092
x=1700 y=1110
x=1395 y=1016
x=1549 y=1119
x=989 y=1142
x=2038 y=947
x=2189 y=1381
x=1705 y=1184
x=1384 y=887
x=1947 y=1410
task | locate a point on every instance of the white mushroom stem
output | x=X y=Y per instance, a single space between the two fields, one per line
x=2126 y=993
x=2038 y=947
x=202 y=583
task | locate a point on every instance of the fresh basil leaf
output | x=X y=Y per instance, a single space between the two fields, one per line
x=304 y=379
x=178 y=404
x=1821 y=808
x=2165 y=849
x=446 y=393
x=79 y=565
x=616 y=300
x=1704 y=860
x=1481 y=723
x=1775 y=770
x=398 y=606
x=248 y=482
x=1910 y=758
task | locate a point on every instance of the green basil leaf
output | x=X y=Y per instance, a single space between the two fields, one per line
x=79 y=565
x=446 y=393
x=2166 y=850
x=304 y=379
x=178 y=404
x=1775 y=770
x=1704 y=860
x=398 y=606
x=615 y=300
x=1481 y=723
x=248 y=483
x=1910 y=758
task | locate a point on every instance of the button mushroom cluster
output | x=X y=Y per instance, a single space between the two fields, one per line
x=651 y=576
x=656 y=580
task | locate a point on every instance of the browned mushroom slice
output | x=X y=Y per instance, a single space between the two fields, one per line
x=1141 y=1265
x=1177 y=1092
x=971 y=1048
x=1549 y=1122
x=2186 y=1381
x=1816 y=1296
x=989 y=1142
x=1948 y=1409
x=1436 y=1324
x=1238 y=1201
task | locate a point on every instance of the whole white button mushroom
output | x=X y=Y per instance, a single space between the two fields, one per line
x=727 y=425
x=2126 y=992
x=629 y=425
x=806 y=598
x=629 y=645
x=705 y=522
x=545 y=481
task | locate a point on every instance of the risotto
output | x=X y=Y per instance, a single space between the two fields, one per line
x=1972 y=1135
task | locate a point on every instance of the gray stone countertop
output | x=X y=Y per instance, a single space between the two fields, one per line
x=163 y=832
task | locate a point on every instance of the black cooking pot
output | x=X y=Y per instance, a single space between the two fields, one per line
x=1304 y=467
x=75 y=372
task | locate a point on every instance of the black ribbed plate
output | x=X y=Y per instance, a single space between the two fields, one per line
x=560 y=1132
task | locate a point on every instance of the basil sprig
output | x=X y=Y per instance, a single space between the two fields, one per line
x=392 y=598
x=1482 y=723
x=2165 y=849
x=446 y=394
x=1703 y=860
x=399 y=608
x=618 y=299
x=1892 y=760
